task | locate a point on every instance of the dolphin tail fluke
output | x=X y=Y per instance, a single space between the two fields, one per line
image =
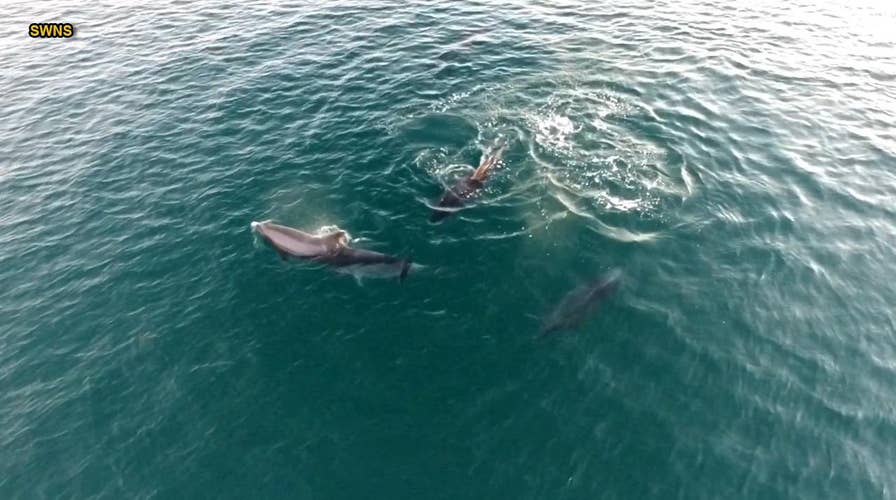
x=405 y=267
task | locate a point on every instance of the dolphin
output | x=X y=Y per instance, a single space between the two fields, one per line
x=465 y=187
x=331 y=249
x=581 y=303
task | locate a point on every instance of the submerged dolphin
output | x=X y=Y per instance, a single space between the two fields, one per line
x=581 y=303
x=331 y=249
x=466 y=187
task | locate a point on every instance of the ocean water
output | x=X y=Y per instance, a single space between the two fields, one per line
x=737 y=161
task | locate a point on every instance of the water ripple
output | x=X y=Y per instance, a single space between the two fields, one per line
x=735 y=159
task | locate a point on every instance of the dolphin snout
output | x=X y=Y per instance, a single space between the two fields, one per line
x=255 y=226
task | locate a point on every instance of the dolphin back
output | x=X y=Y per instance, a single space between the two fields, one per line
x=607 y=284
x=455 y=198
x=331 y=249
x=579 y=304
x=368 y=262
x=293 y=242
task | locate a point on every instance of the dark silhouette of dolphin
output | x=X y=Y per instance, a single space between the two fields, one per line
x=331 y=249
x=466 y=187
x=579 y=304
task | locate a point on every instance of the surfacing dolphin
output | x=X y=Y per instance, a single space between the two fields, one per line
x=579 y=304
x=331 y=249
x=465 y=188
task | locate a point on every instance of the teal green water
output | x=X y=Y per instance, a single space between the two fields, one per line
x=737 y=162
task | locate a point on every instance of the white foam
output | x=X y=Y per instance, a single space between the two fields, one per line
x=332 y=228
x=554 y=131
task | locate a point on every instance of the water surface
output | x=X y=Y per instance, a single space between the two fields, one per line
x=736 y=162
